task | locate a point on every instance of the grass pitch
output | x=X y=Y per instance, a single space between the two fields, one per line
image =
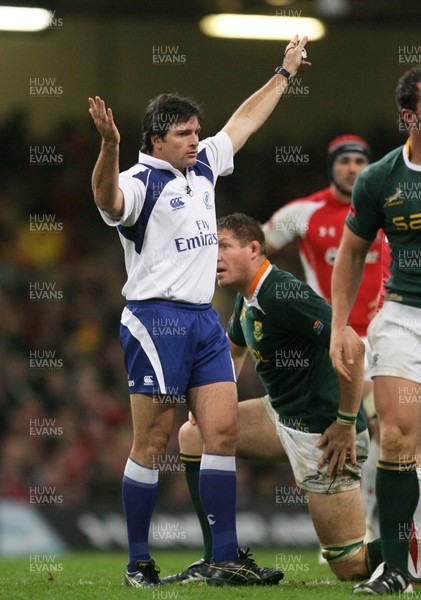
x=98 y=576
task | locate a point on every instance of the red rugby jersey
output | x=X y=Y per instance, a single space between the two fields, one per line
x=318 y=221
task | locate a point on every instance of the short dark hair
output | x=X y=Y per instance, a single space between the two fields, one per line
x=407 y=90
x=244 y=228
x=162 y=112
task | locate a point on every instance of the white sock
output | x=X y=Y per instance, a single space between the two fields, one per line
x=368 y=486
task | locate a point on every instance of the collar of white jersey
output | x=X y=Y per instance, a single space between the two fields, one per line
x=258 y=280
x=152 y=161
x=406 y=151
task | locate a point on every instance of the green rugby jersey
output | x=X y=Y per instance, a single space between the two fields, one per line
x=387 y=195
x=286 y=328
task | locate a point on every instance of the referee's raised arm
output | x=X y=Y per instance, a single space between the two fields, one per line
x=107 y=194
x=251 y=115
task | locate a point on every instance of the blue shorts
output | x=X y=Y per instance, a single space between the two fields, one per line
x=170 y=347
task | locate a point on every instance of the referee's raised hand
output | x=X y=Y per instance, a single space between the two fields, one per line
x=295 y=55
x=104 y=121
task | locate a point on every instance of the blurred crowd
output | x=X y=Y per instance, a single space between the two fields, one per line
x=63 y=402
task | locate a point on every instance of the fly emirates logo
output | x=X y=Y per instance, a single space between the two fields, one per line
x=203 y=237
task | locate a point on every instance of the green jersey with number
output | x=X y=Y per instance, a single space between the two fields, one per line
x=286 y=327
x=387 y=195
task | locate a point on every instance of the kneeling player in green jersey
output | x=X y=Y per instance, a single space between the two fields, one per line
x=310 y=416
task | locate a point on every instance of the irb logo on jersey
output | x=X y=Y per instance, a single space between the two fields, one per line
x=177 y=203
x=148 y=380
x=207 y=201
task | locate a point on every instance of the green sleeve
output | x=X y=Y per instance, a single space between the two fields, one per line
x=364 y=217
x=234 y=329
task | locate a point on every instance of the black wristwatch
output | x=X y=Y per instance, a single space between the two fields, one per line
x=284 y=72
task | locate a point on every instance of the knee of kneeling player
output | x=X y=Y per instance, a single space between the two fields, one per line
x=346 y=560
x=190 y=439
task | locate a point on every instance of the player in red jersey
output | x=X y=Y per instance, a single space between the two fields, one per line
x=317 y=222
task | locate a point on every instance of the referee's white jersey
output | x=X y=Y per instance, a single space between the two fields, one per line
x=168 y=229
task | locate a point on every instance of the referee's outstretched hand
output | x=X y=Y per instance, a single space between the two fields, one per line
x=104 y=121
x=295 y=55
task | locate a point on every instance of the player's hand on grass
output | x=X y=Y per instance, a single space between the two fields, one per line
x=295 y=55
x=104 y=121
x=338 y=443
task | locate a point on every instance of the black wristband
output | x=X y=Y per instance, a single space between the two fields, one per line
x=284 y=72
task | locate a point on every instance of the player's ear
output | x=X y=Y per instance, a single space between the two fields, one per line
x=255 y=248
x=407 y=115
x=156 y=140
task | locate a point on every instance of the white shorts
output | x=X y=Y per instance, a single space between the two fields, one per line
x=303 y=456
x=395 y=339
x=367 y=359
